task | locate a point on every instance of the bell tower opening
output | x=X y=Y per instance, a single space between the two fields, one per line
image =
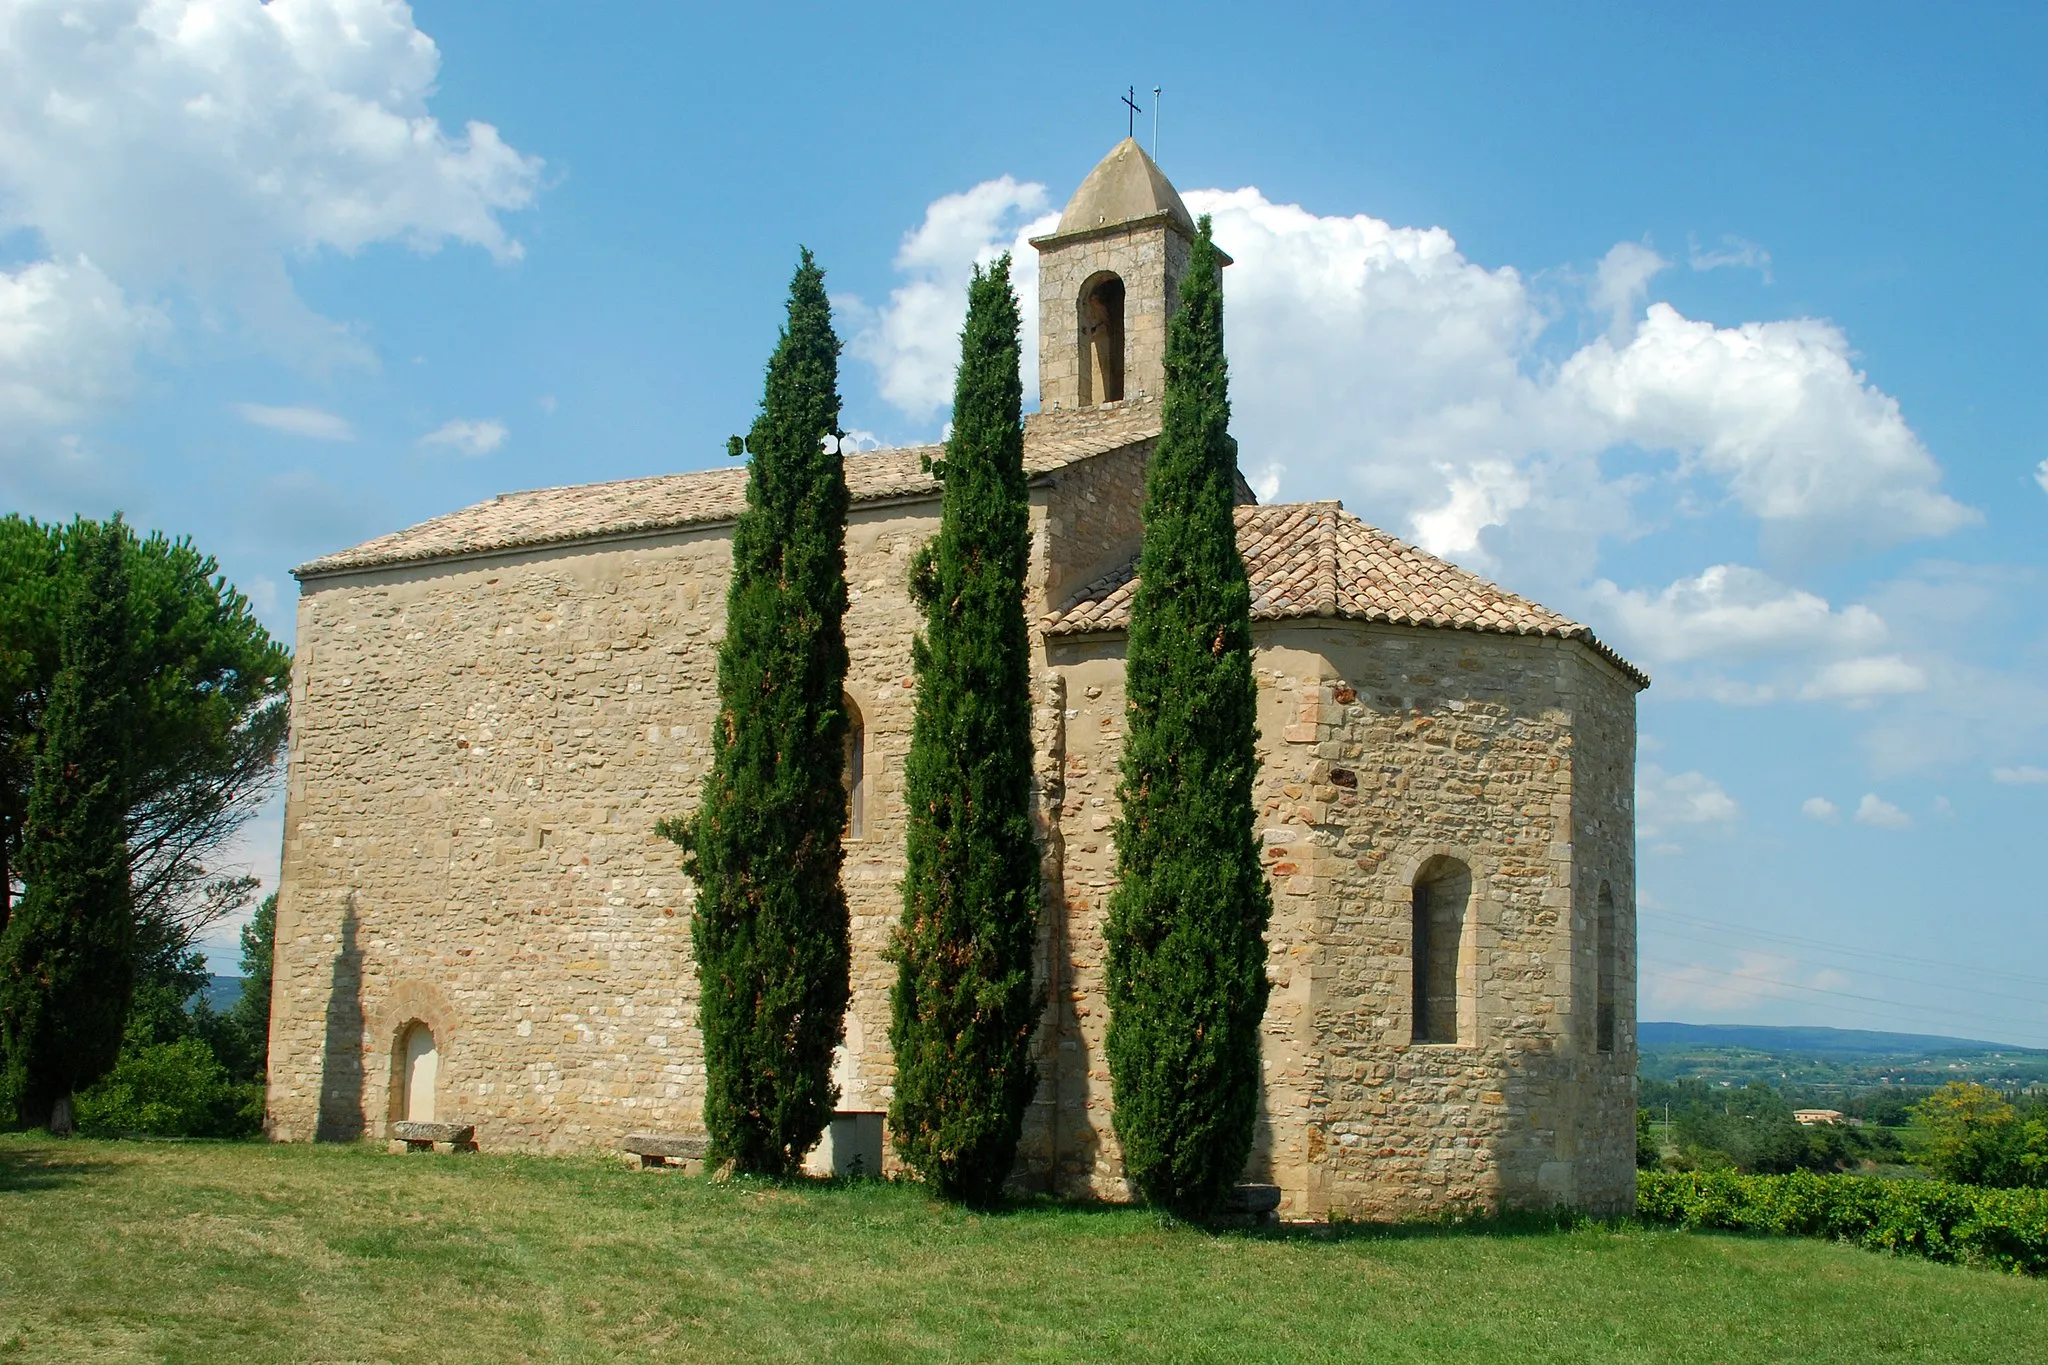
x=1108 y=280
x=1101 y=337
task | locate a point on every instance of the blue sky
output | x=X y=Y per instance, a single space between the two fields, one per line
x=1720 y=328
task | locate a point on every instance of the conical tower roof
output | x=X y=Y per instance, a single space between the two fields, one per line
x=1125 y=186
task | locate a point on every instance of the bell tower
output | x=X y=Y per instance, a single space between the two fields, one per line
x=1108 y=278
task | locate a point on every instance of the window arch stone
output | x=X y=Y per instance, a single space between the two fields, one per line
x=1458 y=881
x=854 y=773
x=1099 y=316
x=412 y=1006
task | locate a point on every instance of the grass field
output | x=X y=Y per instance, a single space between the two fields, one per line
x=243 y=1252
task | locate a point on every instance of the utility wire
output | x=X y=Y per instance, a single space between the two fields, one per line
x=1838 y=948
x=1885 y=976
x=1937 y=1010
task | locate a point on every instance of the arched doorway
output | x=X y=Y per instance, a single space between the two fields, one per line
x=419 y=1066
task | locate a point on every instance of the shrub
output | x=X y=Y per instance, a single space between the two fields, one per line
x=175 y=1089
x=1938 y=1219
x=1977 y=1137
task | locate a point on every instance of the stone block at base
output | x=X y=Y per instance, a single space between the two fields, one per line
x=428 y=1137
x=652 y=1151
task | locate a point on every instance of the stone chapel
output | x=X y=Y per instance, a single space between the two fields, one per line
x=491 y=710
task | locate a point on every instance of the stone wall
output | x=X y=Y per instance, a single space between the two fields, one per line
x=480 y=751
x=1384 y=748
x=482 y=747
x=1149 y=256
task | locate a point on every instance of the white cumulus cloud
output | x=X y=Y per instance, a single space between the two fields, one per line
x=1622 y=283
x=1878 y=813
x=1861 y=681
x=196 y=147
x=68 y=338
x=913 y=340
x=1821 y=809
x=1379 y=363
x=1776 y=412
x=312 y=423
x=1691 y=798
x=2041 y=475
x=2021 y=776
x=467 y=437
x=1733 y=611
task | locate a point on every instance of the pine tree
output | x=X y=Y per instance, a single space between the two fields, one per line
x=67 y=957
x=964 y=1006
x=770 y=926
x=1186 y=931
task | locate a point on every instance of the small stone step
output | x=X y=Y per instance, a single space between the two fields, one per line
x=658 y=1149
x=423 y=1137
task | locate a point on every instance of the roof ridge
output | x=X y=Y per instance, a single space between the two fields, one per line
x=1326 y=563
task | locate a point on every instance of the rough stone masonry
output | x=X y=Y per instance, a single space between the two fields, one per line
x=491 y=711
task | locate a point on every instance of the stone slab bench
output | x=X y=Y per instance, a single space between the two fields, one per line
x=427 y=1137
x=651 y=1150
x=1250 y=1206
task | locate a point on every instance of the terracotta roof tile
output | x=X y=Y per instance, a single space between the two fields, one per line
x=551 y=516
x=1316 y=559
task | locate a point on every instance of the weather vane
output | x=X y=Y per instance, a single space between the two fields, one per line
x=1155 y=123
x=1132 y=112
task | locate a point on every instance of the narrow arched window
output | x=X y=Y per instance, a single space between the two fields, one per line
x=1102 y=339
x=419 y=1069
x=856 y=772
x=1606 y=961
x=1442 y=896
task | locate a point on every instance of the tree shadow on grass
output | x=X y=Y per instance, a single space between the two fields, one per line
x=32 y=1165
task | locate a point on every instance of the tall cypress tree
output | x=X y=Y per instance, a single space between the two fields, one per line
x=964 y=1007
x=770 y=926
x=67 y=957
x=1187 y=952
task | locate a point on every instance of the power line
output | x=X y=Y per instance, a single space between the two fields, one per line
x=1890 y=1005
x=1885 y=976
x=1852 y=952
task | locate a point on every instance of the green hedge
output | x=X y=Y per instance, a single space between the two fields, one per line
x=1966 y=1224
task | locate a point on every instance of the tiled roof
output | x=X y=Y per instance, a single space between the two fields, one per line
x=1316 y=559
x=550 y=516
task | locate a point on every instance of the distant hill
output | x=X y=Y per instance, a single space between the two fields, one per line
x=1817 y=1042
x=222 y=992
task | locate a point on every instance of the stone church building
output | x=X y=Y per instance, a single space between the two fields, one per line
x=491 y=710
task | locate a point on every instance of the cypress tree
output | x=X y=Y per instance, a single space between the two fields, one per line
x=1186 y=931
x=770 y=925
x=964 y=1007
x=67 y=957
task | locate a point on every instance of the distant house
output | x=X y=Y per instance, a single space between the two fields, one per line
x=1810 y=1117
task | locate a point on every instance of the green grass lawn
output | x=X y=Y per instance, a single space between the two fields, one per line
x=223 y=1253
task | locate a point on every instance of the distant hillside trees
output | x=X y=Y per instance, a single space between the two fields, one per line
x=964 y=1006
x=1187 y=922
x=763 y=847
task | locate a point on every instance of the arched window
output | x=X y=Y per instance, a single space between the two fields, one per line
x=1102 y=339
x=1442 y=895
x=419 y=1067
x=856 y=772
x=1606 y=959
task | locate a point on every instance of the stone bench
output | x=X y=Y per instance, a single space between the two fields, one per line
x=1250 y=1206
x=427 y=1137
x=651 y=1150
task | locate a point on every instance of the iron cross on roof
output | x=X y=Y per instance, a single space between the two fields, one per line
x=1131 y=106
